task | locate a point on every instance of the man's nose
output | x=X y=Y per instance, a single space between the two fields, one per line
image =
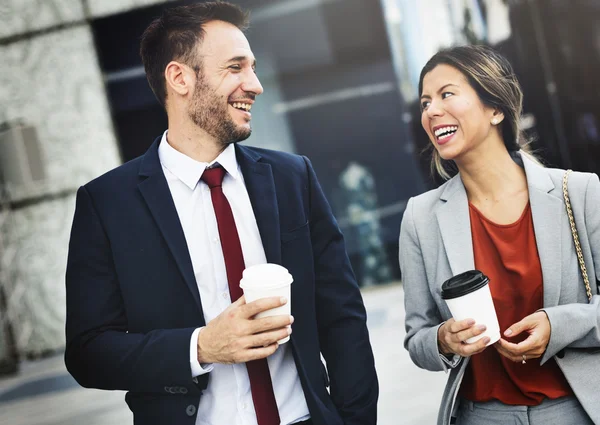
x=252 y=84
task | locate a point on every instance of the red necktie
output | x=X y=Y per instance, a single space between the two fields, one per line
x=258 y=370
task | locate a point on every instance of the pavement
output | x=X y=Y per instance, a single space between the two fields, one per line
x=43 y=393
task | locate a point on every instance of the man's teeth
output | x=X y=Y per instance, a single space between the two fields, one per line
x=444 y=132
x=244 y=106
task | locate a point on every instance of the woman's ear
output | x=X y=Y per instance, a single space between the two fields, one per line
x=497 y=117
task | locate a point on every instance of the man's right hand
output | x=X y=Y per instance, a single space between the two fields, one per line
x=234 y=336
x=452 y=336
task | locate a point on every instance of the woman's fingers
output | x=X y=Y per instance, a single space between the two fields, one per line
x=454 y=335
x=514 y=353
x=476 y=347
x=469 y=333
x=455 y=327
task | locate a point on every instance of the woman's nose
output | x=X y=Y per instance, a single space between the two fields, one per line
x=434 y=110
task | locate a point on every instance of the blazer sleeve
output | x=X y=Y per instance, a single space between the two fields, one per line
x=341 y=316
x=100 y=353
x=578 y=325
x=422 y=319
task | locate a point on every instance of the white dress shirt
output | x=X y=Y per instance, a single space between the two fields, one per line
x=228 y=399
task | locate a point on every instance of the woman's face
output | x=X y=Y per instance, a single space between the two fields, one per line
x=453 y=116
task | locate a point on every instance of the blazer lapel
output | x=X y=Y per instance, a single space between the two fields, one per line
x=547 y=210
x=155 y=191
x=258 y=177
x=455 y=226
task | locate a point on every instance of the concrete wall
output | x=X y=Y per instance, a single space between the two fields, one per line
x=50 y=79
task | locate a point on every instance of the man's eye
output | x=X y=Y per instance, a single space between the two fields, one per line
x=235 y=67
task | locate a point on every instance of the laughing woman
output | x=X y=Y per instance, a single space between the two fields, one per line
x=504 y=214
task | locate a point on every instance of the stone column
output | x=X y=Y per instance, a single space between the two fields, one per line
x=50 y=80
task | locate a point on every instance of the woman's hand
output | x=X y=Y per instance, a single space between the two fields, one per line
x=452 y=334
x=537 y=326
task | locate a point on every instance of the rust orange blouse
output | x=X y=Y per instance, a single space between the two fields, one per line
x=508 y=255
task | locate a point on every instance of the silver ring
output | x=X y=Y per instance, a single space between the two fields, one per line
x=524 y=359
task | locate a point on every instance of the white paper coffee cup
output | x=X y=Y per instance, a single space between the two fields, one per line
x=268 y=280
x=468 y=296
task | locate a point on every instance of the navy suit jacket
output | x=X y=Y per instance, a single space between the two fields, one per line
x=133 y=301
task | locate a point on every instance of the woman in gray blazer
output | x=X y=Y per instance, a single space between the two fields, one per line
x=504 y=214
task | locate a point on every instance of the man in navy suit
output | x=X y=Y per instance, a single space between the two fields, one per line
x=158 y=245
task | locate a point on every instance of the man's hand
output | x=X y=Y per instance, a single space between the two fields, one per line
x=234 y=336
x=537 y=326
x=452 y=336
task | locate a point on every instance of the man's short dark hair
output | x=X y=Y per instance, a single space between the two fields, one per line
x=175 y=35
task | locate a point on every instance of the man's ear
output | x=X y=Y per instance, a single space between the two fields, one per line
x=179 y=78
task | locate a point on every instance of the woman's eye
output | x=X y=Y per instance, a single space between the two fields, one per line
x=425 y=104
x=446 y=94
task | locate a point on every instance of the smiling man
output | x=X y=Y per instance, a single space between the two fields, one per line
x=159 y=244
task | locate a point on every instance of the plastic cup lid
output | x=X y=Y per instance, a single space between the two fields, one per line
x=463 y=284
x=265 y=276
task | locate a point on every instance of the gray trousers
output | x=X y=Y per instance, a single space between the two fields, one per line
x=562 y=411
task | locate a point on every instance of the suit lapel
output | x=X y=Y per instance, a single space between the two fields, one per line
x=258 y=177
x=547 y=211
x=155 y=191
x=455 y=226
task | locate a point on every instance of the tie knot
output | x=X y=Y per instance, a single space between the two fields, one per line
x=213 y=177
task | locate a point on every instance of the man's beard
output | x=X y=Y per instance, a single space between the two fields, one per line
x=211 y=114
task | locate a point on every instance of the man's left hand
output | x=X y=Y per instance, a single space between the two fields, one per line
x=537 y=326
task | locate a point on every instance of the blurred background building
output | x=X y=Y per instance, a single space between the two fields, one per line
x=340 y=79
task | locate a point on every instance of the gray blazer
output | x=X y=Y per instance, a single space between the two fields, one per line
x=435 y=244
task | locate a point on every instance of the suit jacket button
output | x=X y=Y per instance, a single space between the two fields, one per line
x=190 y=410
x=560 y=354
x=168 y=389
x=183 y=390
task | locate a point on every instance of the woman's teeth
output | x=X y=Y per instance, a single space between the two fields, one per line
x=445 y=132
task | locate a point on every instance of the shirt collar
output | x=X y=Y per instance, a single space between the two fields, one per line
x=189 y=170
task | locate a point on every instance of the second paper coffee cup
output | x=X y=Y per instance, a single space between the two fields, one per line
x=468 y=296
x=268 y=280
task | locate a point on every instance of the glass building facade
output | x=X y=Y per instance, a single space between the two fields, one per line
x=340 y=79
